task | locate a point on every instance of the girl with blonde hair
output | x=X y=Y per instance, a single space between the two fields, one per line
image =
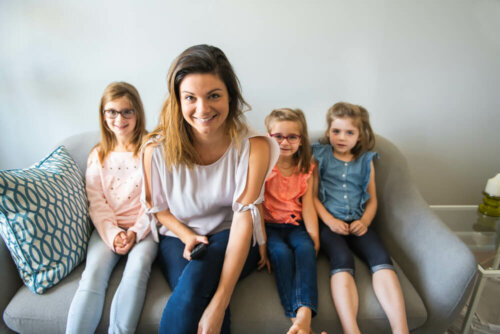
x=114 y=185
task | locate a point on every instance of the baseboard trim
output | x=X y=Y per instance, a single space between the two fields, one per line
x=463 y=221
x=453 y=207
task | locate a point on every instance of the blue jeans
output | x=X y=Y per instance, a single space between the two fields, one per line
x=86 y=308
x=293 y=258
x=194 y=282
x=368 y=247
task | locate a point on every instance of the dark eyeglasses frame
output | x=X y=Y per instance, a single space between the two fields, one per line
x=274 y=135
x=108 y=113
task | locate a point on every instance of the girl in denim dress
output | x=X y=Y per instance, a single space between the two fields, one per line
x=346 y=204
x=291 y=220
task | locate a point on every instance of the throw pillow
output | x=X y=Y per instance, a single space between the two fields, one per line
x=44 y=219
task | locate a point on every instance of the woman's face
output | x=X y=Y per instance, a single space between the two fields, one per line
x=204 y=101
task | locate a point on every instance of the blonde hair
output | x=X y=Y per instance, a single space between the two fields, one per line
x=113 y=91
x=173 y=132
x=360 y=119
x=303 y=155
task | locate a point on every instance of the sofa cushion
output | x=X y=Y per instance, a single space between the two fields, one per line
x=44 y=219
x=255 y=305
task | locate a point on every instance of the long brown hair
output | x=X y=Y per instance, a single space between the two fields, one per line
x=360 y=119
x=303 y=155
x=113 y=91
x=173 y=132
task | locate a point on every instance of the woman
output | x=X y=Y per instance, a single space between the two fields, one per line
x=204 y=175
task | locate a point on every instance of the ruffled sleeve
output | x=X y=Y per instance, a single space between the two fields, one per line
x=241 y=180
x=366 y=160
x=158 y=198
x=321 y=153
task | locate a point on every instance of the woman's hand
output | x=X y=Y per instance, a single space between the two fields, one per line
x=358 y=228
x=124 y=241
x=264 y=260
x=211 y=319
x=191 y=243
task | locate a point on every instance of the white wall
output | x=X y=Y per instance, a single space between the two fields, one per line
x=428 y=71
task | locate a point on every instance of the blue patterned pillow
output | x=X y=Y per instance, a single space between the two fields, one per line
x=44 y=219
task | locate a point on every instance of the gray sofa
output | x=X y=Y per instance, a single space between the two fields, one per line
x=435 y=268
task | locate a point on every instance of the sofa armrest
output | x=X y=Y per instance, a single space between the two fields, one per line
x=10 y=282
x=439 y=264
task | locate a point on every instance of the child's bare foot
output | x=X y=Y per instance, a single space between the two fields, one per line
x=302 y=323
x=299 y=328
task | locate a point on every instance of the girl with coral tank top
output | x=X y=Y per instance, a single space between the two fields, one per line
x=291 y=220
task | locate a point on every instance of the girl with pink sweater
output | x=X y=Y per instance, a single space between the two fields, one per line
x=114 y=184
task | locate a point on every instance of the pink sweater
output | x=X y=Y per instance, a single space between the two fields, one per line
x=113 y=191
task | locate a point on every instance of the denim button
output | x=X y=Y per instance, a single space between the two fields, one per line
x=343 y=175
x=345 y=196
x=344 y=185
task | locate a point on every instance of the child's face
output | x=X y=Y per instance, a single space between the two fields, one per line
x=343 y=134
x=204 y=103
x=121 y=126
x=289 y=129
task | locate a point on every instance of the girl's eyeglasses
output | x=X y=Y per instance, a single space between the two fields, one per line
x=112 y=114
x=292 y=139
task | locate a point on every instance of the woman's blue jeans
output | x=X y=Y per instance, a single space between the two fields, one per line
x=194 y=282
x=293 y=258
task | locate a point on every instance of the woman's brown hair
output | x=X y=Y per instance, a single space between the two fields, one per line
x=173 y=132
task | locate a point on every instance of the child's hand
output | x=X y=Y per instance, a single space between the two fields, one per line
x=120 y=241
x=316 y=246
x=194 y=240
x=264 y=260
x=131 y=237
x=315 y=239
x=358 y=228
x=338 y=226
x=123 y=242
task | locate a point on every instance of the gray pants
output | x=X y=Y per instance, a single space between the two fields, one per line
x=86 y=308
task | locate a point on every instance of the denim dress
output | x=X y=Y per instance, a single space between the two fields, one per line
x=343 y=192
x=343 y=185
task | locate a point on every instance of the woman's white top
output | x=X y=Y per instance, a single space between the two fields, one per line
x=205 y=196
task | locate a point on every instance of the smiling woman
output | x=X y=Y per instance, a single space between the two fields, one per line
x=205 y=107
x=203 y=153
